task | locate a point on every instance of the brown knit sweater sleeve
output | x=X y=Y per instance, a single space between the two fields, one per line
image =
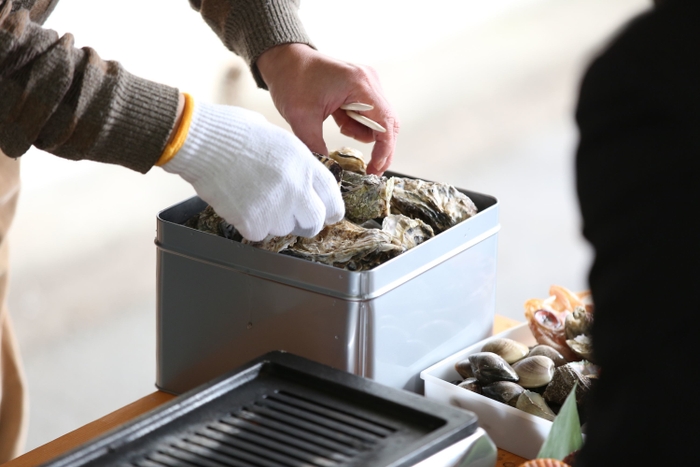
x=73 y=104
x=250 y=27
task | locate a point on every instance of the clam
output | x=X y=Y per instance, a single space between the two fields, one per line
x=489 y=367
x=534 y=404
x=548 y=351
x=464 y=368
x=563 y=381
x=582 y=346
x=471 y=384
x=534 y=372
x=502 y=391
x=578 y=322
x=510 y=350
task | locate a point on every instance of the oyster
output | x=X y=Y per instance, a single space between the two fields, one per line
x=349 y=159
x=489 y=367
x=272 y=243
x=439 y=205
x=405 y=231
x=366 y=196
x=511 y=350
x=534 y=404
x=502 y=391
x=534 y=372
x=346 y=245
x=371 y=233
x=335 y=168
x=210 y=222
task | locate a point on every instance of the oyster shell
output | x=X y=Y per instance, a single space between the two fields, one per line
x=405 y=231
x=349 y=159
x=534 y=372
x=366 y=196
x=533 y=403
x=335 y=168
x=511 y=350
x=346 y=245
x=439 y=205
x=489 y=367
x=502 y=391
x=210 y=222
x=272 y=243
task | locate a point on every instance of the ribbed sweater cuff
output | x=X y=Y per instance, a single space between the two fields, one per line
x=142 y=115
x=260 y=26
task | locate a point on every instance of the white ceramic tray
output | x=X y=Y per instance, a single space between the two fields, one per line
x=509 y=428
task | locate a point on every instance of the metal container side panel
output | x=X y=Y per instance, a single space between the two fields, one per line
x=213 y=319
x=174 y=236
x=436 y=314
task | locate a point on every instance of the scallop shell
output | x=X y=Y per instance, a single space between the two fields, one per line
x=510 y=350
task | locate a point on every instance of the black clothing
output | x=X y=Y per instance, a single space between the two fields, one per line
x=638 y=182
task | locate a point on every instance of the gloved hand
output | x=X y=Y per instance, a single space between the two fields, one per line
x=257 y=176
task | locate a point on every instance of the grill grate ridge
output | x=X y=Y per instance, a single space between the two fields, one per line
x=280 y=429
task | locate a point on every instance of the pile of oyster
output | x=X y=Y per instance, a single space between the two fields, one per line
x=538 y=379
x=384 y=217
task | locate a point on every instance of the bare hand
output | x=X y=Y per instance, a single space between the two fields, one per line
x=307 y=86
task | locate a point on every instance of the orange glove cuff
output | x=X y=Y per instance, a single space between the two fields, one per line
x=180 y=132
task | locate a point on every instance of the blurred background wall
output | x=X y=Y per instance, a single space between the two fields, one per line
x=485 y=92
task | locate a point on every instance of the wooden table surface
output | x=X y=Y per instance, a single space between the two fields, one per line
x=100 y=426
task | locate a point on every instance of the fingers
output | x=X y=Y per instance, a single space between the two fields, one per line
x=383 y=150
x=328 y=192
x=310 y=131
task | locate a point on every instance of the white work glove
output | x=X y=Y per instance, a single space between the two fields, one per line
x=257 y=176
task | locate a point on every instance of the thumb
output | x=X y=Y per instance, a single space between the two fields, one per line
x=310 y=132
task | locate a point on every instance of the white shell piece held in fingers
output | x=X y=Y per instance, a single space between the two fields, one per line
x=357 y=106
x=366 y=121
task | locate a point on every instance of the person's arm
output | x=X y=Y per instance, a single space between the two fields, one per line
x=73 y=104
x=306 y=85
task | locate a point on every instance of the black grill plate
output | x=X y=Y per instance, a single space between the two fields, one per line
x=282 y=410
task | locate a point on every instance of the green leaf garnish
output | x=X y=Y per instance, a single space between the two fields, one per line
x=565 y=435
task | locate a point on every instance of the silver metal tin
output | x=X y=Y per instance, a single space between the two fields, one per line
x=221 y=303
